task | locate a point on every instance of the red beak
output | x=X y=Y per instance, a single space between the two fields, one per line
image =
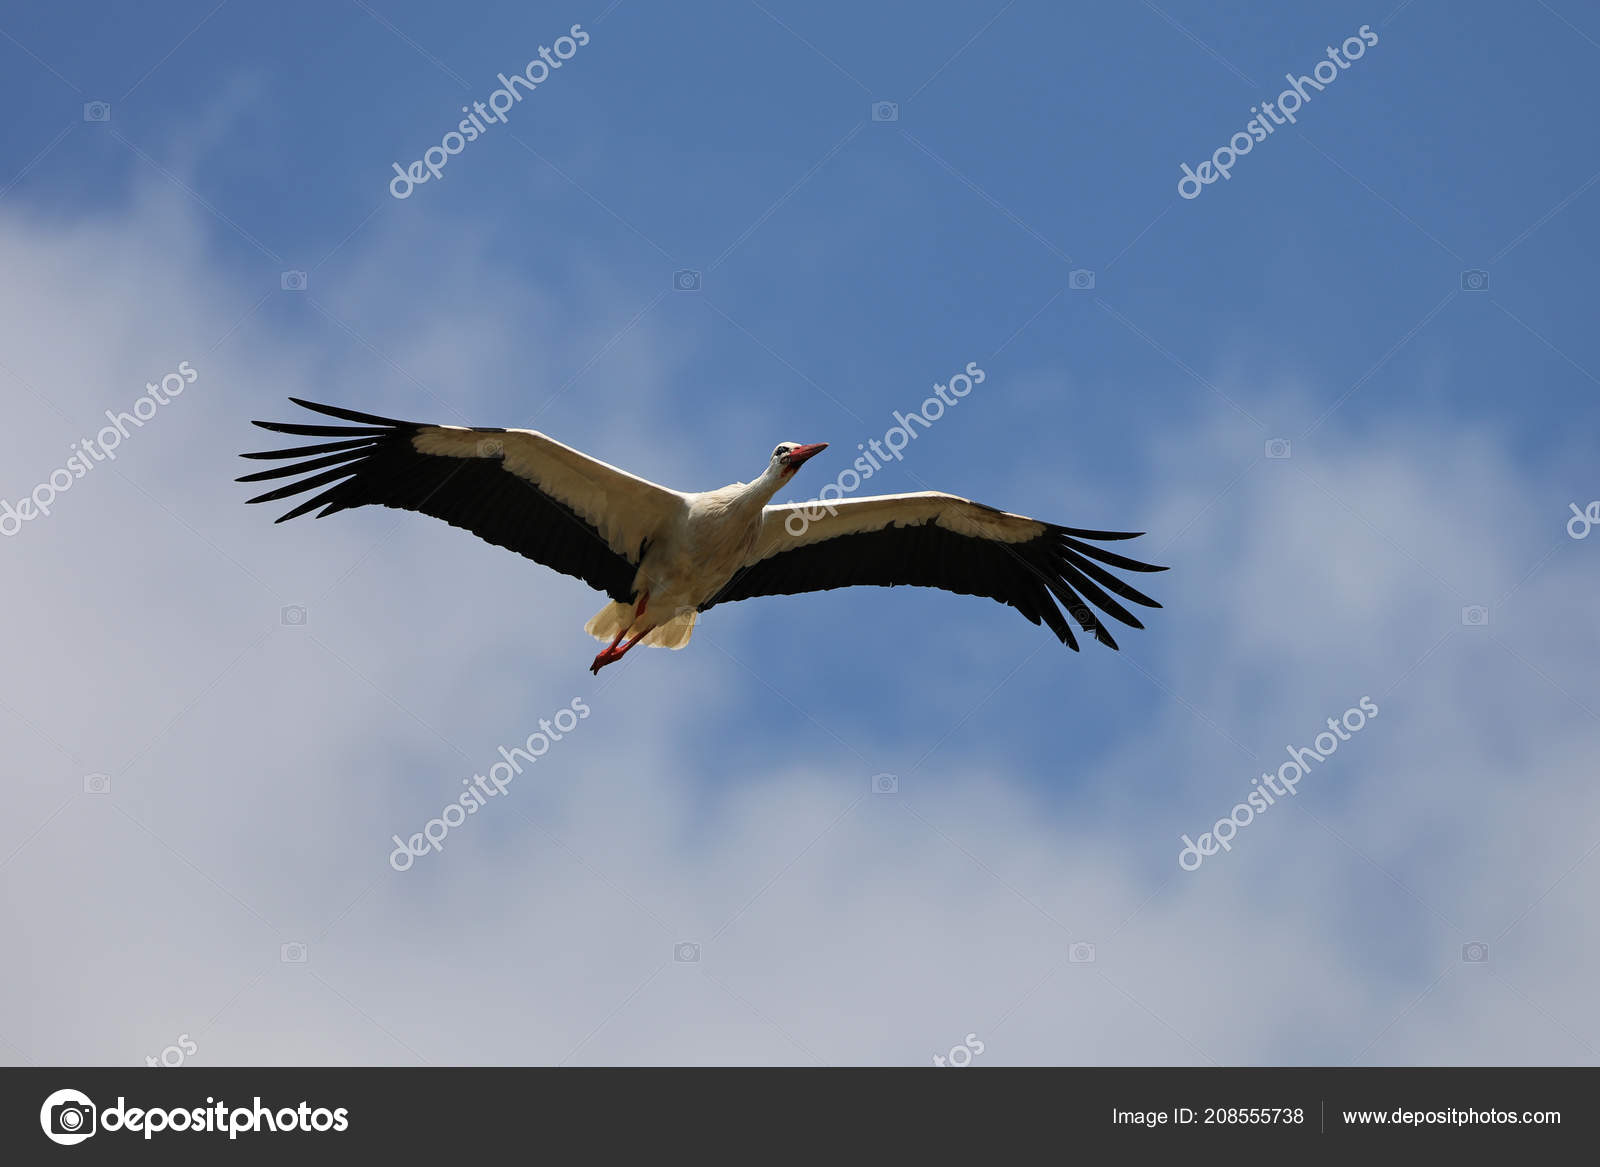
x=801 y=454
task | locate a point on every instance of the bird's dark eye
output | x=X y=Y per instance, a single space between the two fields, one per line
x=778 y=452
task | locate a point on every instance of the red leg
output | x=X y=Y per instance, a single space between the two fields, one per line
x=610 y=652
x=613 y=653
x=633 y=642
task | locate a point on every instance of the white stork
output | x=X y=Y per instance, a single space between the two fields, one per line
x=665 y=556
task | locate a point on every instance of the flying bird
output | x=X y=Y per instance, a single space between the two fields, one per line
x=664 y=556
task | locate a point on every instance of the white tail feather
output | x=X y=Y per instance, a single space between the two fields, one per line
x=674 y=633
x=615 y=618
x=609 y=621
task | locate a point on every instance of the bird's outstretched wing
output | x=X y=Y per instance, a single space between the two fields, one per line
x=937 y=540
x=514 y=488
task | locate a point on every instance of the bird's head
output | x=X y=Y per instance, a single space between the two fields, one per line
x=790 y=456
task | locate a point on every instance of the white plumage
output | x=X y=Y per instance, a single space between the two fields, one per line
x=664 y=556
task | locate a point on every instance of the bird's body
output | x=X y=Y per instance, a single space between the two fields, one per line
x=703 y=546
x=664 y=556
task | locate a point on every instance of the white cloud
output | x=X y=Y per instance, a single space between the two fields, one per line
x=259 y=770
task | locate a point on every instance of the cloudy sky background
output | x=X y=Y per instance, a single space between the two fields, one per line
x=721 y=796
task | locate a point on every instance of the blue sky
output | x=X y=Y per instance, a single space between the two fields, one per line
x=1437 y=432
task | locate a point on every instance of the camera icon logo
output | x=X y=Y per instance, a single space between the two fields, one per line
x=294 y=952
x=885 y=784
x=292 y=616
x=1475 y=280
x=686 y=953
x=1081 y=953
x=1475 y=952
x=687 y=280
x=1475 y=615
x=97 y=783
x=885 y=111
x=293 y=281
x=1080 y=279
x=68 y=1117
x=1277 y=448
x=97 y=111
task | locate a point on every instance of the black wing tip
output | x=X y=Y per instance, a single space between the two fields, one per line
x=344 y=414
x=369 y=423
x=355 y=443
x=1099 y=536
x=1075 y=544
x=283 y=518
x=1076 y=573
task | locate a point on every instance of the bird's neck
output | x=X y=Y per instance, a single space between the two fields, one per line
x=758 y=493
